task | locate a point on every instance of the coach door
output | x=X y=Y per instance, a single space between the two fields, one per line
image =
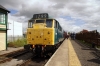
x=2 y=40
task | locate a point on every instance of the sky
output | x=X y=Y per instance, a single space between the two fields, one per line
x=15 y=29
x=73 y=15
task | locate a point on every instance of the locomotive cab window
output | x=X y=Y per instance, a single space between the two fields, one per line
x=30 y=24
x=40 y=21
x=49 y=22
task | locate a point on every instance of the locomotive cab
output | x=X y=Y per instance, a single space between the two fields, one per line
x=41 y=32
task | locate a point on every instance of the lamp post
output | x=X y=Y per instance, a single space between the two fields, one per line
x=13 y=30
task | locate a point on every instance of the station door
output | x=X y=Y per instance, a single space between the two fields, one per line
x=2 y=40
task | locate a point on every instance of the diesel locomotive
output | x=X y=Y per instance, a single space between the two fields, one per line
x=44 y=34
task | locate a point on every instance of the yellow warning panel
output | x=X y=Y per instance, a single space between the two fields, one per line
x=43 y=36
x=73 y=59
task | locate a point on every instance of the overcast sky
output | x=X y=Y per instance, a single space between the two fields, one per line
x=73 y=15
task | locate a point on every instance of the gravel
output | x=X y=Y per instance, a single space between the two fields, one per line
x=86 y=55
x=17 y=60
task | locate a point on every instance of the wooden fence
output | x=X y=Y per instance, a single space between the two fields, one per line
x=92 y=37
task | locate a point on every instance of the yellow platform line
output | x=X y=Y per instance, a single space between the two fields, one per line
x=72 y=56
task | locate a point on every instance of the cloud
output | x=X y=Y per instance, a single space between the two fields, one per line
x=84 y=10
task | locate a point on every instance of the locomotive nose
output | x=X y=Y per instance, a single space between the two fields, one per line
x=41 y=36
x=38 y=36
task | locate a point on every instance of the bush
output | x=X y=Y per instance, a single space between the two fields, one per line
x=18 y=43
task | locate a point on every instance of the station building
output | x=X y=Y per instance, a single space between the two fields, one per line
x=3 y=27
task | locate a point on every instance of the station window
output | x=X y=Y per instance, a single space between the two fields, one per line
x=2 y=18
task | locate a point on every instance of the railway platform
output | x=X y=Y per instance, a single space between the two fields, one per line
x=10 y=49
x=64 y=56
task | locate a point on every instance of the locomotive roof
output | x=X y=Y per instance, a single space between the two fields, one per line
x=46 y=18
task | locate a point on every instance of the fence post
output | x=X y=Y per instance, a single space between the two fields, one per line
x=93 y=45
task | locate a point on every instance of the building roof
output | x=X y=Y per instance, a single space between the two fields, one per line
x=1 y=7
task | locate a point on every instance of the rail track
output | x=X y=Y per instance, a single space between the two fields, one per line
x=24 y=63
x=10 y=56
x=12 y=52
x=28 y=59
x=34 y=61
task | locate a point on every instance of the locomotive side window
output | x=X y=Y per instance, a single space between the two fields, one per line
x=60 y=29
x=49 y=22
x=56 y=26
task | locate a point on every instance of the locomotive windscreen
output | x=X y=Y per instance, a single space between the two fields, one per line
x=42 y=16
x=40 y=21
x=49 y=22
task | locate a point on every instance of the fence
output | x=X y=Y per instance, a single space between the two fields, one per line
x=92 y=37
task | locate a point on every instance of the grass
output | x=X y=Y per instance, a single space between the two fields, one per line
x=87 y=44
x=17 y=43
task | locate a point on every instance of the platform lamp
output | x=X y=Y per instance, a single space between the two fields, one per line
x=7 y=32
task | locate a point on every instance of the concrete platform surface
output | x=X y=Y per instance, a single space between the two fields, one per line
x=64 y=56
x=10 y=49
x=60 y=57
